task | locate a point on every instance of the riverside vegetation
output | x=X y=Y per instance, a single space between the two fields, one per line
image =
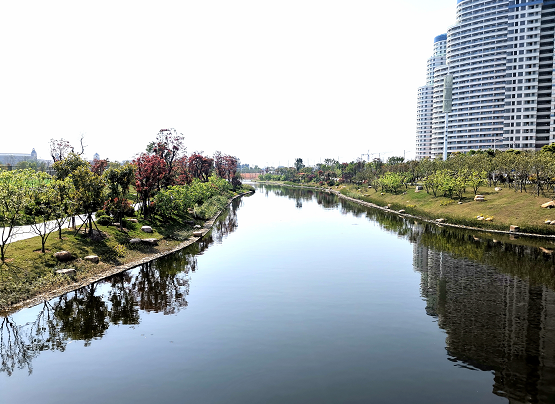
x=514 y=185
x=173 y=193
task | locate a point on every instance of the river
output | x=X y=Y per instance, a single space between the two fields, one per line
x=299 y=297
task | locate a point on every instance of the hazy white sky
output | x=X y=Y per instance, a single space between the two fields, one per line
x=267 y=81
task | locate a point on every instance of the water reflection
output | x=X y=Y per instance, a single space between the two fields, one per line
x=85 y=314
x=495 y=300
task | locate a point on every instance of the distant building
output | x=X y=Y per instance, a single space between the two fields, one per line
x=14 y=158
x=96 y=156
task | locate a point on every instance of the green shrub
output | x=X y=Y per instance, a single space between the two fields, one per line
x=129 y=225
x=104 y=220
x=212 y=206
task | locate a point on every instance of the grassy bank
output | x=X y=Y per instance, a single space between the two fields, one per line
x=28 y=273
x=505 y=208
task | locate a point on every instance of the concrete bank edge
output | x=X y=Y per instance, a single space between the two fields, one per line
x=444 y=224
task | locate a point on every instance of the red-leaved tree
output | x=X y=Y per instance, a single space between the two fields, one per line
x=99 y=166
x=169 y=147
x=151 y=170
x=200 y=166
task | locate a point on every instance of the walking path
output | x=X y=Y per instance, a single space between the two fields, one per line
x=25 y=232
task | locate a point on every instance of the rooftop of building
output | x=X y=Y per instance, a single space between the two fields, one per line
x=442 y=37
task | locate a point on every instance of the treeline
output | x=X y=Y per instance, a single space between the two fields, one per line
x=168 y=185
x=523 y=171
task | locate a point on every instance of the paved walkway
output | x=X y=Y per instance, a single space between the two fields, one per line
x=25 y=232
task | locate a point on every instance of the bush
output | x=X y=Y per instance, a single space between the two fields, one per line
x=104 y=220
x=209 y=208
x=129 y=225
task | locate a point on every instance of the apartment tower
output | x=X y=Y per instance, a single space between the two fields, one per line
x=500 y=57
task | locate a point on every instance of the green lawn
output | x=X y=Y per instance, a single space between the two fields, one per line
x=506 y=207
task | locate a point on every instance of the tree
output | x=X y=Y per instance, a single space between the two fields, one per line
x=99 y=166
x=63 y=192
x=60 y=149
x=88 y=193
x=68 y=165
x=169 y=147
x=42 y=208
x=118 y=181
x=200 y=167
x=148 y=177
x=226 y=168
x=395 y=160
x=15 y=192
x=299 y=164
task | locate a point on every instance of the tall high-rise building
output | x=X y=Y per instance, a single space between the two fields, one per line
x=500 y=57
x=425 y=99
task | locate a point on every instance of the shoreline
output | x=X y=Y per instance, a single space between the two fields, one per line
x=409 y=216
x=115 y=270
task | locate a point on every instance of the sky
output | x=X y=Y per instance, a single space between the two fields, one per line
x=266 y=81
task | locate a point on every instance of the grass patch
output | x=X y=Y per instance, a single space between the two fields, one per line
x=28 y=272
x=506 y=207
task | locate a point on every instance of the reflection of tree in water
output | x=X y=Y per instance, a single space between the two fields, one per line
x=226 y=224
x=162 y=288
x=84 y=315
x=19 y=345
x=300 y=195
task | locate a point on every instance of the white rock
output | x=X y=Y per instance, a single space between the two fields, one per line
x=92 y=258
x=68 y=271
x=146 y=229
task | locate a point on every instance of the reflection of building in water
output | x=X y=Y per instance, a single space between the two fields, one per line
x=493 y=322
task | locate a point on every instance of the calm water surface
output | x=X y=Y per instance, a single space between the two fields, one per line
x=298 y=297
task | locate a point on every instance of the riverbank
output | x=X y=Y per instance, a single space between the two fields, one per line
x=29 y=277
x=504 y=208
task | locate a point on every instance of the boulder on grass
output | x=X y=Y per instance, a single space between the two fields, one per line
x=514 y=228
x=63 y=256
x=479 y=198
x=497 y=189
x=150 y=241
x=68 y=271
x=549 y=205
x=92 y=258
x=419 y=188
x=146 y=229
x=135 y=241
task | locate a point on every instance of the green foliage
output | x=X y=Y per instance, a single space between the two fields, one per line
x=104 y=220
x=175 y=202
x=212 y=206
x=89 y=189
x=392 y=182
x=65 y=167
x=16 y=192
x=118 y=181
